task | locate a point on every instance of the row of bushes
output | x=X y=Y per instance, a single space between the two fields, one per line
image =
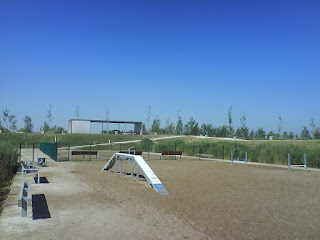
x=262 y=152
x=8 y=162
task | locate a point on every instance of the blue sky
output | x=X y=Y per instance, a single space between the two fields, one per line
x=195 y=57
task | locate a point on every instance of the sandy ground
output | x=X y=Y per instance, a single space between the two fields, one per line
x=207 y=200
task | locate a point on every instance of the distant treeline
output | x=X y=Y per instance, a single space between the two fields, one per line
x=275 y=153
x=193 y=128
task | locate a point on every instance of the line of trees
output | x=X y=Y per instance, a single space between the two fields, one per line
x=193 y=128
x=10 y=123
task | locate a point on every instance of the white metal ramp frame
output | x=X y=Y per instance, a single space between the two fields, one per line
x=149 y=175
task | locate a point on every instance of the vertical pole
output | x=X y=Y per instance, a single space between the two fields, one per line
x=222 y=152
x=68 y=151
x=38 y=176
x=288 y=161
x=132 y=162
x=20 y=153
x=116 y=164
x=120 y=167
x=231 y=162
x=236 y=153
x=137 y=176
x=305 y=162
x=175 y=151
x=246 y=158
x=32 y=152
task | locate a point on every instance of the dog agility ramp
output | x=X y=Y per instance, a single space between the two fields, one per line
x=149 y=175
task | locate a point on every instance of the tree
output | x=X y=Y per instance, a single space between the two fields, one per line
x=243 y=131
x=231 y=131
x=144 y=130
x=312 y=124
x=179 y=126
x=6 y=116
x=291 y=135
x=45 y=128
x=191 y=128
x=285 y=135
x=260 y=133
x=207 y=130
x=271 y=133
x=13 y=122
x=251 y=135
x=28 y=126
x=316 y=133
x=145 y=144
x=155 y=128
x=148 y=118
x=305 y=134
x=280 y=121
x=169 y=128
x=77 y=113
x=49 y=115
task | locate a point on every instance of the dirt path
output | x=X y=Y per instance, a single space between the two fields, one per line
x=207 y=200
x=81 y=209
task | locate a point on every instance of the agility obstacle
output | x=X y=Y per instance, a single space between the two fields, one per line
x=298 y=165
x=241 y=160
x=147 y=172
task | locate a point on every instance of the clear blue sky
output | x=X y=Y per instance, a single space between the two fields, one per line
x=196 y=57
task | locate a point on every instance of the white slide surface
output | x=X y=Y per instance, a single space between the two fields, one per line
x=151 y=177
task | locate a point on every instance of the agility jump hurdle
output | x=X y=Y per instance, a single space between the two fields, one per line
x=298 y=165
x=147 y=172
x=241 y=160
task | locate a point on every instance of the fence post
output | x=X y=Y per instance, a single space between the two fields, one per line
x=69 y=152
x=222 y=152
x=246 y=158
x=288 y=161
x=305 y=161
x=175 y=151
x=132 y=162
x=231 y=162
x=20 y=153
x=90 y=152
x=116 y=165
x=32 y=152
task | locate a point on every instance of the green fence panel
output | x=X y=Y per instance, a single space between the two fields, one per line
x=51 y=149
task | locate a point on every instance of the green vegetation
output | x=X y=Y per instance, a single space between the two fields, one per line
x=258 y=151
x=14 y=139
x=8 y=163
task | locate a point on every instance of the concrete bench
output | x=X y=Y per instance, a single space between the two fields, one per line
x=171 y=153
x=25 y=198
